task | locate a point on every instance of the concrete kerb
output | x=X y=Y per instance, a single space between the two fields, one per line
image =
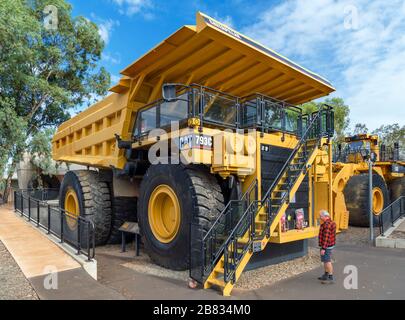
x=386 y=242
x=89 y=266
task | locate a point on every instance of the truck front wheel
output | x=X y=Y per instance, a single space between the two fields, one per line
x=171 y=197
x=356 y=195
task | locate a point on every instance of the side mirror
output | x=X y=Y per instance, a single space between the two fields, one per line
x=169 y=92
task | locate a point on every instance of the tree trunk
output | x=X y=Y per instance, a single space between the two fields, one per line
x=7 y=185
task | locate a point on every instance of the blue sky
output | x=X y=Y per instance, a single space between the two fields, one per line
x=358 y=45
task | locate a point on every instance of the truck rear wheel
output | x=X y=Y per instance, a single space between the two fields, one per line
x=356 y=196
x=397 y=188
x=171 y=197
x=83 y=194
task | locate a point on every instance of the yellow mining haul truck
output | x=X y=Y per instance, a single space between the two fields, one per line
x=211 y=164
x=350 y=179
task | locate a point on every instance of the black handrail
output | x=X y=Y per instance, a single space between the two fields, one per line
x=82 y=239
x=247 y=219
x=391 y=214
x=303 y=139
x=250 y=214
x=223 y=212
x=209 y=241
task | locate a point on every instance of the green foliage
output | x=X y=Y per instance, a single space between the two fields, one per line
x=389 y=134
x=360 y=128
x=40 y=148
x=341 y=114
x=47 y=72
x=12 y=139
x=43 y=73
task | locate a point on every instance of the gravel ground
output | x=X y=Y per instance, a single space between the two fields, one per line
x=356 y=235
x=397 y=235
x=252 y=279
x=141 y=264
x=255 y=279
x=13 y=284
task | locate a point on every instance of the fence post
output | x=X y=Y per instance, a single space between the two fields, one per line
x=78 y=236
x=29 y=208
x=38 y=212
x=203 y=254
x=381 y=223
x=61 y=226
x=22 y=205
x=15 y=200
x=49 y=219
x=88 y=241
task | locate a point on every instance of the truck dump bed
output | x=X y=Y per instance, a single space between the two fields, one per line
x=210 y=54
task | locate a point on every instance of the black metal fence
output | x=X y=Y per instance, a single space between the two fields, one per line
x=42 y=208
x=391 y=214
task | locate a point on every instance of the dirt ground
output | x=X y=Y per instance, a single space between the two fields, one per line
x=13 y=284
x=357 y=236
x=252 y=279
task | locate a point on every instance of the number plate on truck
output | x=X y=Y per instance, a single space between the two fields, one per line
x=199 y=141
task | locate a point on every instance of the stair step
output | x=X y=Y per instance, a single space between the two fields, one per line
x=243 y=240
x=297 y=163
x=220 y=270
x=217 y=282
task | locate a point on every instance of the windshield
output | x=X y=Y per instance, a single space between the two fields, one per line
x=219 y=109
x=357 y=146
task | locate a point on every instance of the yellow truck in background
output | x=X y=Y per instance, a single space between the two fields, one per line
x=350 y=179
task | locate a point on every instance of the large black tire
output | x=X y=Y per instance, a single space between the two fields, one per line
x=94 y=200
x=356 y=196
x=124 y=209
x=397 y=188
x=200 y=199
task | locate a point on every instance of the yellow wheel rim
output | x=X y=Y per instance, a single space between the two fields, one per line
x=378 y=201
x=72 y=208
x=164 y=213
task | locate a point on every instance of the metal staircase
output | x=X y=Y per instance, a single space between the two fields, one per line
x=220 y=254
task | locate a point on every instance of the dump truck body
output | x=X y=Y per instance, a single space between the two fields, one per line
x=204 y=134
x=213 y=56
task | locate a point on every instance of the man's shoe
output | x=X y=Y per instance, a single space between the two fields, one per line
x=329 y=280
x=324 y=277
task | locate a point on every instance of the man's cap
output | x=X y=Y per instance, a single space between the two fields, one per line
x=325 y=213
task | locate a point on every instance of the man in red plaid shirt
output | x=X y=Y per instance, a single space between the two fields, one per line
x=327 y=241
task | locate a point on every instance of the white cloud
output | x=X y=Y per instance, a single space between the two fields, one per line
x=227 y=20
x=115 y=79
x=105 y=28
x=131 y=7
x=359 y=45
x=111 y=58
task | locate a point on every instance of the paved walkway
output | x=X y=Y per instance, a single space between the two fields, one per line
x=37 y=256
x=31 y=249
x=381 y=273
